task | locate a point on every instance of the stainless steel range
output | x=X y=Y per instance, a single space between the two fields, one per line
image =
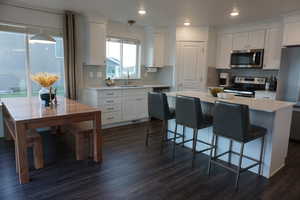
x=246 y=86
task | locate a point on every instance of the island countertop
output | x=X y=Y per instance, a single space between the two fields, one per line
x=266 y=105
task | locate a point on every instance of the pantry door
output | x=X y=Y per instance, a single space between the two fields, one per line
x=191 y=67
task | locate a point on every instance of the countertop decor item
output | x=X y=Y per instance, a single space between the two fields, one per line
x=214 y=91
x=109 y=82
x=47 y=94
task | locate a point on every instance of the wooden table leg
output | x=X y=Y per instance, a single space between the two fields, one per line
x=97 y=138
x=22 y=159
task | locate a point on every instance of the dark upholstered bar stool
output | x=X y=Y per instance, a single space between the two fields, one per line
x=158 y=108
x=189 y=114
x=232 y=121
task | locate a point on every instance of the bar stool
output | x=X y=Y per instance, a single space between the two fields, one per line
x=158 y=108
x=232 y=121
x=189 y=114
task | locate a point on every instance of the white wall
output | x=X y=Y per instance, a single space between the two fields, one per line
x=24 y=16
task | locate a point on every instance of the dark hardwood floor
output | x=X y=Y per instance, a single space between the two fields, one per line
x=132 y=171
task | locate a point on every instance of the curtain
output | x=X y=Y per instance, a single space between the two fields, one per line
x=70 y=52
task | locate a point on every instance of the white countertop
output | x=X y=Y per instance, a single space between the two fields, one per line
x=124 y=87
x=266 y=105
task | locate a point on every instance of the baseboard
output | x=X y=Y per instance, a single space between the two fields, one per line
x=124 y=123
x=274 y=172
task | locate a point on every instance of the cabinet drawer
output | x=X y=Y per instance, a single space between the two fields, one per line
x=110 y=101
x=111 y=108
x=134 y=92
x=112 y=117
x=110 y=93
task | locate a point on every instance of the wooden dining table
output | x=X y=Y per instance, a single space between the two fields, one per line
x=29 y=113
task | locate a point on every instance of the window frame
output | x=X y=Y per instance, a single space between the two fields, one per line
x=29 y=30
x=123 y=40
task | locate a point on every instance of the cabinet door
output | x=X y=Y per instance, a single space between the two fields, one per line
x=272 y=55
x=257 y=39
x=159 y=50
x=129 y=109
x=224 y=51
x=191 y=65
x=291 y=34
x=135 y=108
x=240 y=41
x=95 y=44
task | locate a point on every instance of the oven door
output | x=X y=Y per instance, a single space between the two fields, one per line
x=247 y=59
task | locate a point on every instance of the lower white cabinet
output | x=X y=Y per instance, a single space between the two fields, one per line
x=265 y=95
x=119 y=105
x=135 y=108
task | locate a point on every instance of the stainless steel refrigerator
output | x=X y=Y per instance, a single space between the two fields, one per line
x=289 y=85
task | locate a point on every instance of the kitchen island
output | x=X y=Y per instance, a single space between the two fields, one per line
x=273 y=115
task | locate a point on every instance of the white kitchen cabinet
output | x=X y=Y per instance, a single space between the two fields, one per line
x=155 y=48
x=291 y=34
x=159 y=50
x=240 y=41
x=135 y=108
x=256 y=39
x=272 y=54
x=118 y=105
x=263 y=94
x=249 y=40
x=95 y=44
x=224 y=48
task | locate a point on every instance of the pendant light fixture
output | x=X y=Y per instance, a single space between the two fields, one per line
x=235 y=11
x=42 y=38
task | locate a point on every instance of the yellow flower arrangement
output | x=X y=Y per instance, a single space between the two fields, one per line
x=45 y=79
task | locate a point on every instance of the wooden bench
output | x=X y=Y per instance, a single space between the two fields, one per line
x=83 y=132
x=34 y=140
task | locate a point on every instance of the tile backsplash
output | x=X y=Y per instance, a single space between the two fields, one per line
x=250 y=72
x=94 y=76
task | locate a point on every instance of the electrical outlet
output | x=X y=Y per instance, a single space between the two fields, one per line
x=99 y=75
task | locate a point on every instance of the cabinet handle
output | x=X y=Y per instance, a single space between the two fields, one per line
x=110 y=93
x=110 y=101
x=110 y=108
x=139 y=99
x=109 y=118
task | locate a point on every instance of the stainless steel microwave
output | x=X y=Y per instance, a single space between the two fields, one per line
x=252 y=58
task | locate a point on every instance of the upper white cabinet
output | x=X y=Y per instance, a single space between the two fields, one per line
x=272 y=55
x=156 y=42
x=249 y=40
x=224 y=48
x=240 y=41
x=291 y=34
x=95 y=43
x=159 y=50
x=257 y=39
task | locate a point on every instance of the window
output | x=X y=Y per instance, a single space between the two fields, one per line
x=19 y=59
x=122 y=58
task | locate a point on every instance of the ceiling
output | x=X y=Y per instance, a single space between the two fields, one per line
x=170 y=12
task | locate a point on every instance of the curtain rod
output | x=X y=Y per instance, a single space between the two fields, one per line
x=17 y=5
x=21 y=25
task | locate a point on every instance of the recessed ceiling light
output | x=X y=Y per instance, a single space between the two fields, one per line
x=234 y=13
x=142 y=12
x=187 y=23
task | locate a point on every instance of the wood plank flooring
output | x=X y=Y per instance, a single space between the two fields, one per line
x=132 y=171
